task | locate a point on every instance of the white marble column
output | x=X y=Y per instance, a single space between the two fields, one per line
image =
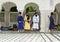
x=45 y=21
x=7 y=19
x=42 y=26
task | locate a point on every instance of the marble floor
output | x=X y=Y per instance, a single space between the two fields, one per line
x=10 y=36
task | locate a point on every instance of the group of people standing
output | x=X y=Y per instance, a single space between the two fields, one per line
x=24 y=23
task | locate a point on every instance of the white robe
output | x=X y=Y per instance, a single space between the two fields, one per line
x=35 y=19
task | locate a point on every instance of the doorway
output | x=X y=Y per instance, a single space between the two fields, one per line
x=30 y=9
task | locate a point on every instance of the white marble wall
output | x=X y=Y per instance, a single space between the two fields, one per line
x=45 y=20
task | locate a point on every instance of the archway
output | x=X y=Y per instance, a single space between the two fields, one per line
x=57 y=16
x=9 y=9
x=30 y=9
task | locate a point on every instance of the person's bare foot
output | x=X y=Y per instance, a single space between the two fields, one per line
x=22 y=30
x=51 y=33
x=18 y=30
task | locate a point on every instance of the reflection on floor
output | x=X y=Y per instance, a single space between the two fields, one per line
x=10 y=36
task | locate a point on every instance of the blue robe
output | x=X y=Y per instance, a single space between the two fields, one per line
x=20 y=24
x=51 y=26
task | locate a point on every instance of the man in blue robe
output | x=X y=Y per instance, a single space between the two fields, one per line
x=51 y=26
x=20 y=21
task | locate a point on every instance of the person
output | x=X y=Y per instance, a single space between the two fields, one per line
x=51 y=26
x=27 y=22
x=35 y=20
x=20 y=21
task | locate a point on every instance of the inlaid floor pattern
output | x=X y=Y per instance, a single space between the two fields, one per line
x=29 y=37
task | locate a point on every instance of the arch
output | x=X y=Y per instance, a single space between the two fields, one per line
x=33 y=5
x=57 y=14
x=30 y=9
x=8 y=5
x=13 y=9
x=57 y=7
x=33 y=8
